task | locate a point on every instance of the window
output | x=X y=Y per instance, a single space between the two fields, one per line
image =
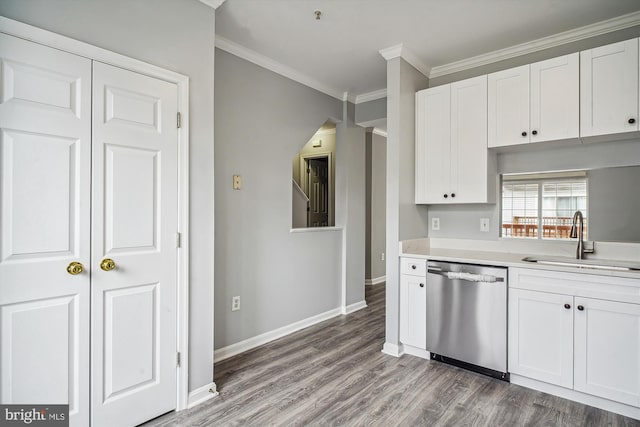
x=541 y=206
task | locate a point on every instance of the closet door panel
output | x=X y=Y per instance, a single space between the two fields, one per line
x=45 y=140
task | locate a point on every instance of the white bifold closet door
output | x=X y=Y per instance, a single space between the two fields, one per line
x=88 y=178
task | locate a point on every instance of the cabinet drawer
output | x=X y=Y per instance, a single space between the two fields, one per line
x=413 y=266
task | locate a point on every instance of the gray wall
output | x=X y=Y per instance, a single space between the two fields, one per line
x=463 y=221
x=405 y=219
x=178 y=36
x=378 y=205
x=262 y=119
x=371 y=112
x=350 y=202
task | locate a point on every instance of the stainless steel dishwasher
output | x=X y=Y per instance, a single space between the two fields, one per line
x=467 y=316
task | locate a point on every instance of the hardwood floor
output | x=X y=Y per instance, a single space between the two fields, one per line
x=333 y=373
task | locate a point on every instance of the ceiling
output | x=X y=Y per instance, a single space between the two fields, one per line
x=341 y=50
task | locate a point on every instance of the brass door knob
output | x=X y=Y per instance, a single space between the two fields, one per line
x=107 y=264
x=74 y=268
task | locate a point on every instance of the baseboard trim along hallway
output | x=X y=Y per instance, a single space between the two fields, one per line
x=201 y=395
x=354 y=307
x=376 y=281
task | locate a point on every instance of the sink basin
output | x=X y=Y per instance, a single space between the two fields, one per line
x=597 y=264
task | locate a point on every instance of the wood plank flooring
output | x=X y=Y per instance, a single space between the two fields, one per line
x=334 y=374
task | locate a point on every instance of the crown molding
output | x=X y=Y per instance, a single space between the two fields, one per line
x=371 y=96
x=400 y=51
x=213 y=3
x=581 y=33
x=380 y=132
x=278 y=68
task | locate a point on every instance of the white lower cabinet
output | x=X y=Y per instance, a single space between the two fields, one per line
x=413 y=303
x=590 y=345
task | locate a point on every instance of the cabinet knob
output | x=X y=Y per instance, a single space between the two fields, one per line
x=580 y=307
x=567 y=306
x=453 y=194
x=524 y=134
x=632 y=121
x=413 y=267
x=422 y=285
x=446 y=195
x=535 y=132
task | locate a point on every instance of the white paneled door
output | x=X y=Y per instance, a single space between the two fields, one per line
x=88 y=257
x=134 y=217
x=45 y=152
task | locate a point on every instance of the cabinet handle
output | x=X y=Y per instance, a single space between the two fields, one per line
x=422 y=285
x=567 y=306
x=413 y=267
x=524 y=134
x=446 y=195
x=453 y=194
x=580 y=307
x=632 y=121
x=535 y=132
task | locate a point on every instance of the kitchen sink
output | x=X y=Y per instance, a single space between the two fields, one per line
x=597 y=264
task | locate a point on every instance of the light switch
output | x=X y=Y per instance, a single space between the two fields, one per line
x=237 y=182
x=484 y=224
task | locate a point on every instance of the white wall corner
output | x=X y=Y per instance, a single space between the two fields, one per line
x=371 y=96
x=393 y=349
x=381 y=133
x=354 y=307
x=346 y=96
x=277 y=67
x=213 y=3
x=202 y=394
x=401 y=51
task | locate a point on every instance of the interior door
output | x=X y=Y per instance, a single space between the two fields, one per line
x=318 y=188
x=45 y=137
x=134 y=224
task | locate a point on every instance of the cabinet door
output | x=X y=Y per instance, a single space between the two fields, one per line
x=555 y=94
x=508 y=101
x=541 y=336
x=607 y=349
x=609 y=89
x=433 y=134
x=413 y=311
x=468 y=182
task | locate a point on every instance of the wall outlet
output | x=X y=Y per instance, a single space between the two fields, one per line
x=237 y=182
x=435 y=223
x=382 y=256
x=235 y=303
x=484 y=224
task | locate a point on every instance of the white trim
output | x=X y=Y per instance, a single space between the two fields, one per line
x=371 y=96
x=201 y=395
x=576 y=396
x=323 y=132
x=400 y=51
x=351 y=308
x=314 y=229
x=76 y=47
x=581 y=33
x=380 y=132
x=415 y=351
x=392 y=349
x=376 y=281
x=213 y=3
x=251 y=343
x=271 y=65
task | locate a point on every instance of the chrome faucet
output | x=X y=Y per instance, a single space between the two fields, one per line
x=577 y=231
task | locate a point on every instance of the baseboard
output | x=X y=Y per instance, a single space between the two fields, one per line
x=250 y=343
x=354 y=307
x=587 y=399
x=393 y=349
x=201 y=395
x=418 y=352
x=376 y=281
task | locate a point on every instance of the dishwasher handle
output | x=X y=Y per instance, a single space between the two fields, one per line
x=469 y=277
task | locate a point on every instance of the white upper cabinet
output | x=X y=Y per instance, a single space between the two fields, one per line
x=534 y=103
x=609 y=89
x=452 y=164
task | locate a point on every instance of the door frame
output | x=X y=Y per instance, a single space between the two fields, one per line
x=76 y=47
x=303 y=171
